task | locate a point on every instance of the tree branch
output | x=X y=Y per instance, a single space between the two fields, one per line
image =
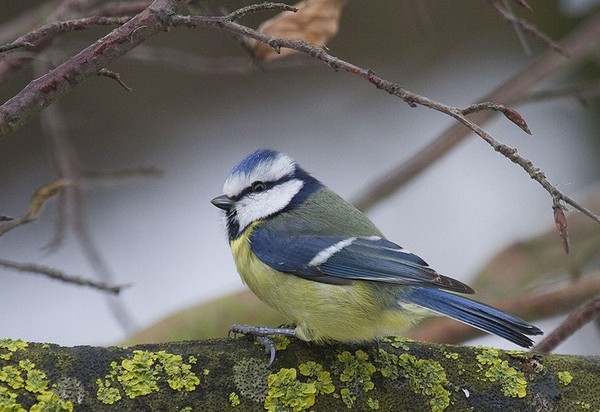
x=577 y=45
x=232 y=373
x=46 y=89
x=61 y=276
x=409 y=97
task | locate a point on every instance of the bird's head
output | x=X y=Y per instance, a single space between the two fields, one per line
x=262 y=185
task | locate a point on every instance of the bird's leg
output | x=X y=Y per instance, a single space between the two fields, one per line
x=261 y=333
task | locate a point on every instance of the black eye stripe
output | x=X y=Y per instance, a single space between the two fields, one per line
x=267 y=186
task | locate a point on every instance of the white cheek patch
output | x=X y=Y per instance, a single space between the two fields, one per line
x=267 y=171
x=256 y=206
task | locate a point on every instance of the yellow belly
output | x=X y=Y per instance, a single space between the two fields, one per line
x=361 y=311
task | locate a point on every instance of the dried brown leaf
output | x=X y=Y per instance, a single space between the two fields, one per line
x=315 y=22
x=43 y=194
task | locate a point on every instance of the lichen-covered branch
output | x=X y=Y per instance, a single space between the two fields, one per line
x=233 y=373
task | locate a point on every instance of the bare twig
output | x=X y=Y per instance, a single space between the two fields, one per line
x=255 y=8
x=569 y=326
x=30 y=39
x=577 y=45
x=581 y=92
x=46 y=89
x=518 y=29
x=163 y=12
x=394 y=89
x=115 y=76
x=58 y=275
x=527 y=28
x=183 y=60
x=67 y=165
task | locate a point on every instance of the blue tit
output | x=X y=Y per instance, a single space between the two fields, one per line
x=324 y=265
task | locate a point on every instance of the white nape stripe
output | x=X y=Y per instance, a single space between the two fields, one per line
x=256 y=206
x=326 y=253
x=266 y=171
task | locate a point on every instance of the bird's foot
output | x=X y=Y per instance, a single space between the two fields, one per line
x=262 y=333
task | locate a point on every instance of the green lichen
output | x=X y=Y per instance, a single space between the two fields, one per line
x=51 y=402
x=565 y=377
x=348 y=397
x=355 y=371
x=373 y=404
x=139 y=376
x=11 y=376
x=234 y=399
x=9 y=346
x=287 y=393
x=281 y=342
x=25 y=376
x=397 y=342
x=424 y=377
x=512 y=382
x=106 y=393
x=35 y=381
x=451 y=355
x=180 y=374
x=321 y=378
x=8 y=401
x=583 y=405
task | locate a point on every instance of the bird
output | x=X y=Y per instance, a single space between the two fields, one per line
x=324 y=265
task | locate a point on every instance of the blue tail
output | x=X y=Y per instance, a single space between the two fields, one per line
x=476 y=314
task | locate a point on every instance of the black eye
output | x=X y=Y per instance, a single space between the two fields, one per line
x=258 y=187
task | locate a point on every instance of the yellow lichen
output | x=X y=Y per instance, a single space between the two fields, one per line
x=139 y=375
x=24 y=376
x=234 y=399
x=512 y=382
x=286 y=392
x=424 y=376
x=564 y=377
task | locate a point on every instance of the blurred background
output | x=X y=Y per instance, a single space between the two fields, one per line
x=194 y=119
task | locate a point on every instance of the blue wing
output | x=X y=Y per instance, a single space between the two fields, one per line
x=342 y=259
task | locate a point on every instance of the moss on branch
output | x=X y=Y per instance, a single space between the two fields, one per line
x=232 y=373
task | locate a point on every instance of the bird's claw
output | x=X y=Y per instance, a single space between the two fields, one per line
x=262 y=333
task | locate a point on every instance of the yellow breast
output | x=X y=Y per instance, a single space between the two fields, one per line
x=361 y=311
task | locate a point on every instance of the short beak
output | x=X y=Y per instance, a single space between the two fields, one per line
x=222 y=202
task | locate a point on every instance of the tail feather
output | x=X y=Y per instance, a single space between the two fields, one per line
x=476 y=314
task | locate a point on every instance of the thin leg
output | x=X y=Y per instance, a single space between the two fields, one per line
x=261 y=333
